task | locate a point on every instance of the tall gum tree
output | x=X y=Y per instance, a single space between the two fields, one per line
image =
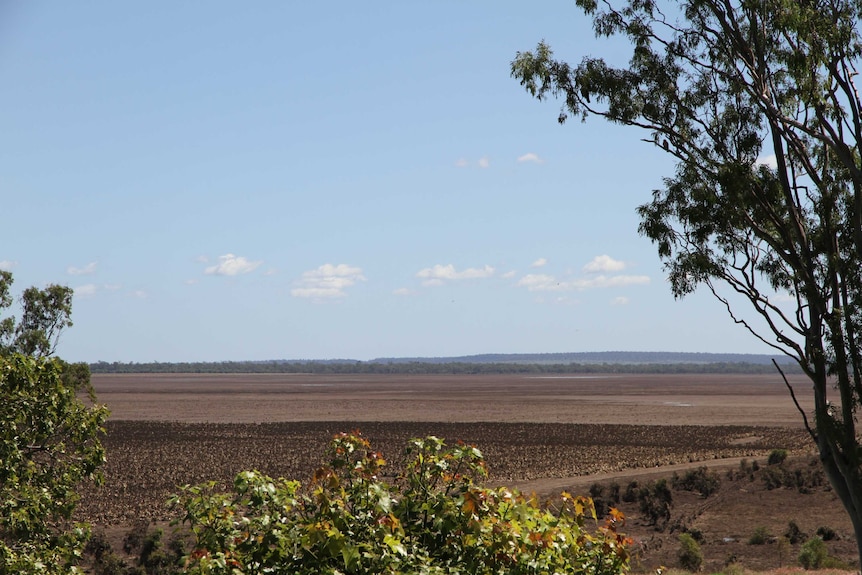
x=757 y=101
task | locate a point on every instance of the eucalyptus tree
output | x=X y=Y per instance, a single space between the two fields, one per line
x=758 y=104
x=45 y=312
x=50 y=439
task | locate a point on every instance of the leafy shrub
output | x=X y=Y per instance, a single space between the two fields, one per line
x=813 y=554
x=700 y=480
x=804 y=480
x=435 y=520
x=690 y=556
x=759 y=537
x=794 y=534
x=827 y=533
x=776 y=457
x=655 y=501
x=50 y=444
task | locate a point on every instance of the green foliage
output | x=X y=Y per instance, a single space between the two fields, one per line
x=776 y=457
x=45 y=313
x=435 y=519
x=700 y=480
x=813 y=554
x=690 y=556
x=49 y=444
x=759 y=537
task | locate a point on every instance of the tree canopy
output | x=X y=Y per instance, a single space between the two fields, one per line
x=49 y=438
x=757 y=101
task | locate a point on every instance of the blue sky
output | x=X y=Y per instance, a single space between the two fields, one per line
x=325 y=180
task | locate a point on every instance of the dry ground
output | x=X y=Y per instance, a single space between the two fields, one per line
x=540 y=434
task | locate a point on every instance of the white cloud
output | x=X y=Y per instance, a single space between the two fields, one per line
x=403 y=292
x=140 y=294
x=202 y=259
x=327 y=281
x=530 y=157
x=539 y=263
x=622 y=300
x=270 y=272
x=85 y=290
x=604 y=263
x=541 y=282
x=437 y=274
x=86 y=270
x=509 y=274
x=462 y=163
x=544 y=282
x=484 y=162
x=190 y=282
x=231 y=265
x=769 y=161
x=7 y=265
x=113 y=287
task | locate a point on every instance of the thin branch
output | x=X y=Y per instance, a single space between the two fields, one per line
x=795 y=402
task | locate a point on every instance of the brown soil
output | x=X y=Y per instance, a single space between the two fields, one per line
x=537 y=434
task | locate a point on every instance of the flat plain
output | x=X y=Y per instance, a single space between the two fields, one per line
x=540 y=433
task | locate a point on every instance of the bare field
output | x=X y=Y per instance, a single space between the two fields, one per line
x=541 y=433
x=629 y=399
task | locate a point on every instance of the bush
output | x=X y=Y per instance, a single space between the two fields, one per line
x=794 y=534
x=699 y=480
x=827 y=533
x=759 y=537
x=813 y=554
x=690 y=555
x=435 y=520
x=655 y=502
x=776 y=457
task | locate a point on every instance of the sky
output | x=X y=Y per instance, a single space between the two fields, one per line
x=285 y=180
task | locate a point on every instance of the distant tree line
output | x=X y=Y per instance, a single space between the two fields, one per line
x=429 y=368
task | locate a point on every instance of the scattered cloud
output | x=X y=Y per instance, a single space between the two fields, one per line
x=769 y=161
x=539 y=263
x=327 y=281
x=190 y=282
x=621 y=300
x=202 y=259
x=85 y=290
x=483 y=162
x=7 y=265
x=530 y=157
x=140 y=294
x=403 y=292
x=270 y=272
x=84 y=271
x=509 y=275
x=604 y=263
x=231 y=265
x=113 y=287
x=437 y=274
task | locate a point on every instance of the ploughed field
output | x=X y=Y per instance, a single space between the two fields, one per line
x=541 y=433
